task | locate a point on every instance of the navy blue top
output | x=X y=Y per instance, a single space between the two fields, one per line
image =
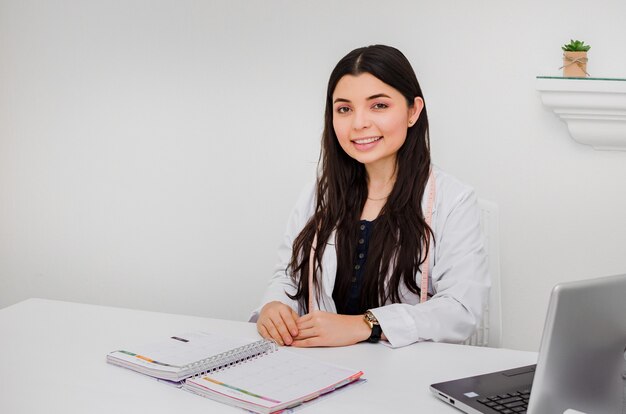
x=356 y=283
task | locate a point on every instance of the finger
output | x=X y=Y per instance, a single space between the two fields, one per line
x=283 y=331
x=306 y=333
x=305 y=324
x=304 y=318
x=281 y=327
x=295 y=317
x=274 y=334
x=305 y=343
x=290 y=322
x=263 y=331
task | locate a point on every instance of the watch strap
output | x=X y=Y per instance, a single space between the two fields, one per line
x=377 y=332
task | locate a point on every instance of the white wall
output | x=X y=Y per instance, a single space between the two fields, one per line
x=150 y=151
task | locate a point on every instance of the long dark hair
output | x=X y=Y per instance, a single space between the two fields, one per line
x=400 y=231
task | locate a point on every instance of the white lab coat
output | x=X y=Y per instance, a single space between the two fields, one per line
x=459 y=279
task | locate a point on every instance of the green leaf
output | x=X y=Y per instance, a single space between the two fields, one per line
x=575 y=46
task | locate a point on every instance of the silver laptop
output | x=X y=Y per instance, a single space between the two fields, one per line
x=581 y=359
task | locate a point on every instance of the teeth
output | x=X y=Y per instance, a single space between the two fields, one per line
x=366 y=140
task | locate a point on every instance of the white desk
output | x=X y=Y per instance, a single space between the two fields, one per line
x=52 y=360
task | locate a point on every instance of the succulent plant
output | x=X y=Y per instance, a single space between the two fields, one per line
x=575 y=46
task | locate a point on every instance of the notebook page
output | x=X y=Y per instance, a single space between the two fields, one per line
x=276 y=378
x=184 y=349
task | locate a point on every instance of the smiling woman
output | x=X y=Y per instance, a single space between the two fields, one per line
x=371 y=119
x=385 y=245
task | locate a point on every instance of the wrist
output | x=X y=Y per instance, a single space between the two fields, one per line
x=363 y=330
x=376 y=331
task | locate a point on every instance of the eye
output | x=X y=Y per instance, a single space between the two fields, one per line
x=342 y=109
x=380 y=106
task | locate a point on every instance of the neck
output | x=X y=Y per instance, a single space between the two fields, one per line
x=380 y=179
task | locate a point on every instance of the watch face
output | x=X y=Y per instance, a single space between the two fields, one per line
x=369 y=316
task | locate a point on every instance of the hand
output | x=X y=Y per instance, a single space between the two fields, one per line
x=330 y=329
x=277 y=321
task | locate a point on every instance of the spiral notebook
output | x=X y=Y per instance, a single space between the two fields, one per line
x=253 y=374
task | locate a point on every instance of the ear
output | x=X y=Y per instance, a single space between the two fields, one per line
x=415 y=110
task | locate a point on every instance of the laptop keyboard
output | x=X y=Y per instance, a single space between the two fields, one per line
x=512 y=403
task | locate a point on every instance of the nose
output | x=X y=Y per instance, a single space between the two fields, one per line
x=360 y=120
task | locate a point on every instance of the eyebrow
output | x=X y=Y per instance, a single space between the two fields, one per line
x=369 y=98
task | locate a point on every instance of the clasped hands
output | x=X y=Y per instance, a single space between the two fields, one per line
x=281 y=323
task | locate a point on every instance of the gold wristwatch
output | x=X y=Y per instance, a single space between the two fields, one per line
x=372 y=322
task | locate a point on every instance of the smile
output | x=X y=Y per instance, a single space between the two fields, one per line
x=367 y=140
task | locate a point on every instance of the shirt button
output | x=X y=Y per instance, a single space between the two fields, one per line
x=362 y=226
x=361 y=241
x=361 y=255
x=357 y=267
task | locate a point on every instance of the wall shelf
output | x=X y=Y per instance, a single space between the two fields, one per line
x=594 y=109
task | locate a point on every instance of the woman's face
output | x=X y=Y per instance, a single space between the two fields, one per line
x=371 y=119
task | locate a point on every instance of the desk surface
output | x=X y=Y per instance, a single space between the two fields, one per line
x=52 y=360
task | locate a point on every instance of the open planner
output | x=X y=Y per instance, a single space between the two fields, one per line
x=253 y=374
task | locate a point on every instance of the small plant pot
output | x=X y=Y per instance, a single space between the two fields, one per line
x=575 y=65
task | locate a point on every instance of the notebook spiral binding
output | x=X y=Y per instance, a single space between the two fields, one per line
x=232 y=357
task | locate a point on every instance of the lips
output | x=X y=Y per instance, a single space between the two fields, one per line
x=366 y=140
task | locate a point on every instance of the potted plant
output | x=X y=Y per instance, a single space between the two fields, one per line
x=575 y=59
